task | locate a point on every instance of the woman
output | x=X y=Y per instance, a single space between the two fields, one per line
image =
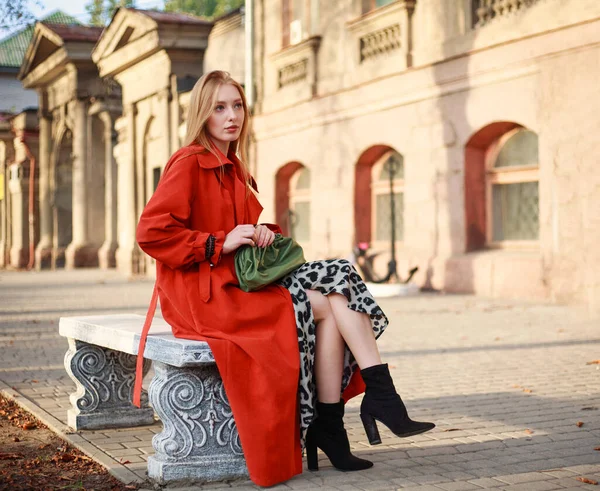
x=203 y=210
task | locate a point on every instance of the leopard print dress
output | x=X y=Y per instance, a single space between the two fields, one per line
x=327 y=276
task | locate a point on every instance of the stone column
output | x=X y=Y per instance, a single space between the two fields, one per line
x=19 y=197
x=79 y=253
x=3 y=203
x=43 y=251
x=127 y=255
x=406 y=30
x=106 y=254
x=174 y=108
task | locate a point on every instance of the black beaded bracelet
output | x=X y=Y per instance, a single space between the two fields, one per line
x=210 y=247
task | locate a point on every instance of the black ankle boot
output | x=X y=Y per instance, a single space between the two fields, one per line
x=382 y=403
x=327 y=432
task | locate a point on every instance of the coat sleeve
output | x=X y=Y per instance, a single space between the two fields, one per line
x=163 y=230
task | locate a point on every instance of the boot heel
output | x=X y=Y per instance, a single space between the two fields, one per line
x=370 y=428
x=312 y=460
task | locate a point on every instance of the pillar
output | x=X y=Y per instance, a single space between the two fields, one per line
x=127 y=254
x=43 y=251
x=4 y=231
x=106 y=254
x=19 y=196
x=79 y=252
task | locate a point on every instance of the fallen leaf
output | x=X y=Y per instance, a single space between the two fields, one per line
x=528 y=391
x=29 y=426
x=587 y=481
x=67 y=457
x=11 y=456
x=497 y=339
x=16 y=439
x=392 y=366
x=579 y=424
x=597 y=449
x=529 y=432
x=594 y=362
x=589 y=408
x=35 y=381
x=517 y=387
x=453 y=429
x=125 y=462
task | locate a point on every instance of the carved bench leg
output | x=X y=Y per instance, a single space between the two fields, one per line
x=199 y=440
x=104 y=380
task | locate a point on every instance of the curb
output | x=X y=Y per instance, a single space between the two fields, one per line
x=70 y=436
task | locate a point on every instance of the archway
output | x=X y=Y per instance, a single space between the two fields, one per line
x=283 y=216
x=372 y=212
x=501 y=186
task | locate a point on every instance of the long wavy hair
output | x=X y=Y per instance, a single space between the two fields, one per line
x=203 y=100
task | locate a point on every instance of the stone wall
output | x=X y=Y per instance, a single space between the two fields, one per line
x=511 y=70
x=226 y=44
x=13 y=97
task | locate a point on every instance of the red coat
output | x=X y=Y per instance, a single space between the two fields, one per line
x=252 y=335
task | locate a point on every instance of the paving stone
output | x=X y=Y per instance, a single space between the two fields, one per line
x=525 y=477
x=535 y=486
x=457 y=475
x=487 y=483
x=458 y=486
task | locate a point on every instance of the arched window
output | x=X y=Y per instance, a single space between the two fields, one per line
x=300 y=204
x=381 y=221
x=512 y=177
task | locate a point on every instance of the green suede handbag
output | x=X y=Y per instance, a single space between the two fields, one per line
x=257 y=267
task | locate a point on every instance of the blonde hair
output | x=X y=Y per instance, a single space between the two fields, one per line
x=203 y=100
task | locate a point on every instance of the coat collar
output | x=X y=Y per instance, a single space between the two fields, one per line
x=209 y=160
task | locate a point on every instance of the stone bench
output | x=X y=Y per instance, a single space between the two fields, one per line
x=199 y=440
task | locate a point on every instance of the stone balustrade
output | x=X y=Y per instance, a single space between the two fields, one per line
x=486 y=10
x=380 y=41
x=294 y=72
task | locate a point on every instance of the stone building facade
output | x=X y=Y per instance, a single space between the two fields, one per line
x=19 y=210
x=477 y=116
x=488 y=109
x=19 y=221
x=154 y=57
x=72 y=153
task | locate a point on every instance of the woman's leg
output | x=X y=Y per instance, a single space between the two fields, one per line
x=327 y=431
x=329 y=349
x=355 y=329
x=381 y=401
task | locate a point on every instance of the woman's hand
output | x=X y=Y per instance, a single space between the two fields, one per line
x=263 y=237
x=239 y=236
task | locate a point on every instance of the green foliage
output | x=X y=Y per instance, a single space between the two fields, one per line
x=224 y=6
x=101 y=11
x=15 y=13
x=203 y=8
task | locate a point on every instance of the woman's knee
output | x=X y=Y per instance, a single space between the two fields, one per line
x=319 y=304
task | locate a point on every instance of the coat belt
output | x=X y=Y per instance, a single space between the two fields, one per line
x=204 y=272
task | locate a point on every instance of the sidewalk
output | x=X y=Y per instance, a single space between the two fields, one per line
x=506 y=382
